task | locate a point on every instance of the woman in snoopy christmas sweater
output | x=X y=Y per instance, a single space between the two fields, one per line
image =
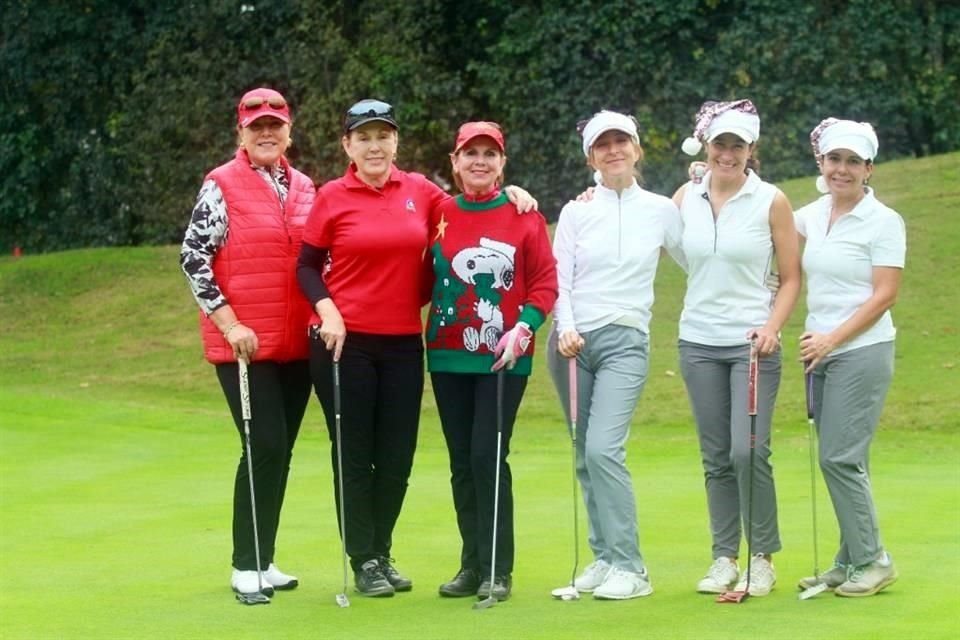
x=495 y=280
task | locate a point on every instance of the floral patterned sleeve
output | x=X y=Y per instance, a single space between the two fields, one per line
x=205 y=235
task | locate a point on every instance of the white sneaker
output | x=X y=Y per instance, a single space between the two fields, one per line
x=868 y=579
x=247 y=582
x=721 y=575
x=593 y=576
x=278 y=579
x=762 y=576
x=623 y=585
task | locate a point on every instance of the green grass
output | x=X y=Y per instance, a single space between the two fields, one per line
x=116 y=458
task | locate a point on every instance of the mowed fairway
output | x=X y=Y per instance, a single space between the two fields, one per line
x=117 y=458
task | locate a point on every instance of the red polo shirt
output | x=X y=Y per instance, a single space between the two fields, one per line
x=377 y=239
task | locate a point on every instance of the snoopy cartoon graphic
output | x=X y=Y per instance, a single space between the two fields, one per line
x=490 y=269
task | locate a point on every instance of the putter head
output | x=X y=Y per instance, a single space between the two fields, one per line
x=566 y=593
x=486 y=603
x=252 y=598
x=732 y=597
x=810 y=592
x=342 y=600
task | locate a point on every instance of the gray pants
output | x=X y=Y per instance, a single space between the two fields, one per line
x=716 y=379
x=611 y=372
x=848 y=394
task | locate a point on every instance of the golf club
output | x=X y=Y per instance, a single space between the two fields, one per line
x=256 y=597
x=753 y=373
x=489 y=601
x=570 y=591
x=819 y=587
x=342 y=600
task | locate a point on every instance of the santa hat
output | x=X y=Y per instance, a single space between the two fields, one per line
x=738 y=117
x=832 y=134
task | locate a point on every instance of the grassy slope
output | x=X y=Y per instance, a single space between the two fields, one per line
x=115 y=462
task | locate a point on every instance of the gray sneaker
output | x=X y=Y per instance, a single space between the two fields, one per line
x=833 y=578
x=868 y=579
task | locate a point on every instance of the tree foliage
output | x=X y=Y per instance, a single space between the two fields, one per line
x=112 y=112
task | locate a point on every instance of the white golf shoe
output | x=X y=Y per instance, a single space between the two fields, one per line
x=721 y=575
x=762 y=576
x=868 y=579
x=593 y=576
x=247 y=582
x=623 y=585
x=278 y=579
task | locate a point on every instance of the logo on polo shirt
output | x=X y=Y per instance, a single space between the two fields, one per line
x=411 y=207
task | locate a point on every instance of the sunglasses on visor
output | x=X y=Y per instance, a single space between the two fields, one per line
x=366 y=110
x=256 y=102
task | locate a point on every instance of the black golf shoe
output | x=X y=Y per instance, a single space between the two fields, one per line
x=502 y=586
x=394 y=577
x=370 y=581
x=466 y=583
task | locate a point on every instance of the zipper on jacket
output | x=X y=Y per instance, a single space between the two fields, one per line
x=283 y=212
x=619 y=227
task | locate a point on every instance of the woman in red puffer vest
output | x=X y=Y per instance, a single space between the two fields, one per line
x=239 y=255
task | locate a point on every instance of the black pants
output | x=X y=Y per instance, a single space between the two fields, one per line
x=279 y=393
x=467 y=404
x=381 y=386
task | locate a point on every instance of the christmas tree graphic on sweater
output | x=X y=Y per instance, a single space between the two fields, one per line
x=467 y=295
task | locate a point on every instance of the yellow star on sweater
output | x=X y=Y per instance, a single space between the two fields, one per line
x=441 y=228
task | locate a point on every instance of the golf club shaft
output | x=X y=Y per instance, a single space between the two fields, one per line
x=501 y=375
x=808 y=387
x=753 y=379
x=247 y=417
x=573 y=446
x=342 y=514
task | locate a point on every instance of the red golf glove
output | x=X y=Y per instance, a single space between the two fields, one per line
x=512 y=345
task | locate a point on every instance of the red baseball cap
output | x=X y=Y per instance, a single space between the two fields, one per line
x=260 y=102
x=470 y=130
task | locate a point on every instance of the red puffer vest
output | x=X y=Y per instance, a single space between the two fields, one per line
x=256 y=268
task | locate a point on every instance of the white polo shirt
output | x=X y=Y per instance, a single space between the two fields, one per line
x=607 y=253
x=839 y=263
x=729 y=259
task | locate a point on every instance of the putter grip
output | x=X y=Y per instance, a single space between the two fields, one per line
x=753 y=374
x=336 y=387
x=244 y=388
x=808 y=387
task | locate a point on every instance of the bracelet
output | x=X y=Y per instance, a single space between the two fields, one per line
x=233 y=325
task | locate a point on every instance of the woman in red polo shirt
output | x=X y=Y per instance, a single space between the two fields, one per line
x=361 y=268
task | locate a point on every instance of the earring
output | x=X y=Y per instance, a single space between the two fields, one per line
x=822 y=185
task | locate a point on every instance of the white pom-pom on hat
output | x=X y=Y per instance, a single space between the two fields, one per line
x=691 y=146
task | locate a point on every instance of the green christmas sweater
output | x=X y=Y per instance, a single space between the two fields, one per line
x=491 y=269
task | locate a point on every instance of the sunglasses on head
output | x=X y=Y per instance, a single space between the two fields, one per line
x=256 y=102
x=366 y=110
x=370 y=109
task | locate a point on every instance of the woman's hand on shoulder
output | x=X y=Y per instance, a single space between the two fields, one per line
x=521 y=198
